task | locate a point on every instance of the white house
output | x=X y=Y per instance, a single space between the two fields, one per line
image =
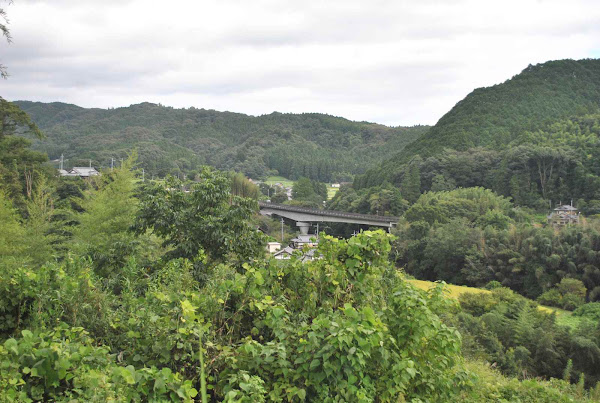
x=273 y=247
x=82 y=172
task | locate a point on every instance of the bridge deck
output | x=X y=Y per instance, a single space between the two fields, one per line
x=328 y=213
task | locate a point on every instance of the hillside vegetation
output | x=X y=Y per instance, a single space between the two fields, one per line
x=495 y=116
x=533 y=138
x=179 y=141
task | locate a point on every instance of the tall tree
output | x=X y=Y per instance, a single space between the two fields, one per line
x=104 y=226
x=12 y=235
x=207 y=219
x=411 y=183
x=17 y=161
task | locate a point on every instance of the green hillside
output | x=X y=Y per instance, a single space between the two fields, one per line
x=497 y=115
x=175 y=141
x=533 y=138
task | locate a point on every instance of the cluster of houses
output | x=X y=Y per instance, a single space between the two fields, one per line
x=296 y=245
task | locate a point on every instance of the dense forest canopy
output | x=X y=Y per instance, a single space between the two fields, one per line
x=534 y=138
x=495 y=116
x=180 y=141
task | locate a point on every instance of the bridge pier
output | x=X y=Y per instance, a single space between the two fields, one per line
x=303 y=227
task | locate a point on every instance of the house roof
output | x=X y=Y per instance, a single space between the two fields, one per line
x=305 y=238
x=565 y=207
x=85 y=171
x=288 y=249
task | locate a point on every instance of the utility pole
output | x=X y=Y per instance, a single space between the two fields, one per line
x=90 y=163
x=317 y=231
x=143 y=175
x=112 y=163
x=62 y=161
x=282 y=230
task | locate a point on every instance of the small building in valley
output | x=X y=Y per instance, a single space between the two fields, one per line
x=82 y=172
x=297 y=244
x=273 y=247
x=563 y=215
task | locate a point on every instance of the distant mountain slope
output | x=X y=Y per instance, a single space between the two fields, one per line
x=172 y=140
x=497 y=116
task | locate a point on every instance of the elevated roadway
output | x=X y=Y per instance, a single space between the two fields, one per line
x=304 y=216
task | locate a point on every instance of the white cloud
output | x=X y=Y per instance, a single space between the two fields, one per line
x=393 y=62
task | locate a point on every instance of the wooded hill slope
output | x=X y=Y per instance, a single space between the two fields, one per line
x=497 y=115
x=169 y=140
x=533 y=137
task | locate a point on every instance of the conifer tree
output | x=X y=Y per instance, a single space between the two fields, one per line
x=104 y=232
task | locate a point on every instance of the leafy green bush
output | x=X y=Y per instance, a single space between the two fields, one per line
x=590 y=311
x=492 y=285
x=65 y=365
x=490 y=386
x=552 y=297
x=568 y=294
x=54 y=292
x=345 y=326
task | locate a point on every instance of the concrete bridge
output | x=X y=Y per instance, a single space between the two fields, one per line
x=305 y=216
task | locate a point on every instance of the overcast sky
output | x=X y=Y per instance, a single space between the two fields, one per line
x=391 y=62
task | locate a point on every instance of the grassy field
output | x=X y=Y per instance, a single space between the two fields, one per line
x=271 y=180
x=564 y=318
x=331 y=191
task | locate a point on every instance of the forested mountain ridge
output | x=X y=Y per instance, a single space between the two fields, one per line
x=534 y=138
x=175 y=141
x=497 y=115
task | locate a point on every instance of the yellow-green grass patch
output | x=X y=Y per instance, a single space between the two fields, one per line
x=564 y=318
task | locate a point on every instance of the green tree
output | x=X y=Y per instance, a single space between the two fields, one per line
x=241 y=186
x=12 y=235
x=43 y=224
x=303 y=189
x=411 y=183
x=205 y=219
x=441 y=183
x=17 y=162
x=109 y=210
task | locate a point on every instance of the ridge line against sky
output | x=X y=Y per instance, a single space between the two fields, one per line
x=391 y=62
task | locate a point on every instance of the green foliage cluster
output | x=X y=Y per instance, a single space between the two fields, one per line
x=533 y=138
x=589 y=311
x=180 y=141
x=310 y=192
x=241 y=186
x=568 y=294
x=377 y=200
x=553 y=164
x=493 y=387
x=510 y=331
x=321 y=332
x=473 y=236
x=207 y=218
x=18 y=163
x=498 y=115
x=318 y=331
x=64 y=365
